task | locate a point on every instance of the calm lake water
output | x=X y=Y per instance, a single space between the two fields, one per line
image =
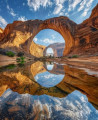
x=48 y=91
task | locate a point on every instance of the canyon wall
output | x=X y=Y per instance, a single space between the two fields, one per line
x=86 y=35
x=80 y=39
x=1 y=30
x=36 y=49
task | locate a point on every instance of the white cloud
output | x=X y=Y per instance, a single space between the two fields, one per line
x=53 y=36
x=22 y=18
x=37 y=77
x=82 y=5
x=57 y=9
x=66 y=14
x=47 y=40
x=11 y=11
x=61 y=13
x=84 y=13
x=86 y=7
x=3 y=22
x=59 y=1
x=60 y=7
x=35 y=39
x=48 y=76
x=85 y=4
x=73 y=4
x=36 y=4
x=89 y=3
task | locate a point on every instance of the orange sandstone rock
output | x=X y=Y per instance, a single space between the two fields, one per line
x=79 y=39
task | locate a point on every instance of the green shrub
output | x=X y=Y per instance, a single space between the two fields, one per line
x=75 y=56
x=8 y=67
x=10 y=54
x=11 y=66
x=21 y=60
x=18 y=59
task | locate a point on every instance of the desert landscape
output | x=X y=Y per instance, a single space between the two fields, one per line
x=59 y=85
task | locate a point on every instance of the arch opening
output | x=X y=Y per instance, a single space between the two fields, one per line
x=48 y=40
x=49 y=52
x=53 y=75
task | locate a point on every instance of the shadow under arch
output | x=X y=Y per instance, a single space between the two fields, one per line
x=62 y=25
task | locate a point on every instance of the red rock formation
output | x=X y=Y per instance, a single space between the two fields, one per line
x=36 y=49
x=86 y=35
x=93 y=19
x=1 y=30
x=22 y=34
x=80 y=39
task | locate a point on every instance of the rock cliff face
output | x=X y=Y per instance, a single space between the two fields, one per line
x=80 y=39
x=22 y=33
x=86 y=35
x=36 y=50
x=1 y=30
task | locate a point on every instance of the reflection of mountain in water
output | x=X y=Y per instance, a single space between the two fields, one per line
x=27 y=107
x=21 y=80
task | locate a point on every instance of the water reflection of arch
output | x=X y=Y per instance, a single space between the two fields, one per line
x=75 y=79
x=57 y=69
x=22 y=80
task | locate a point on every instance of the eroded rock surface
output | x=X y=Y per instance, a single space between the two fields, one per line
x=36 y=49
x=1 y=30
x=80 y=39
x=86 y=35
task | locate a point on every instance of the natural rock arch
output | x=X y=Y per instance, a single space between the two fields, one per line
x=80 y=39
x=57 y=48
x=20 y=34
x=62 y=25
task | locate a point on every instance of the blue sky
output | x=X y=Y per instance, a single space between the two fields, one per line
x=76 y=10
x=47 y=37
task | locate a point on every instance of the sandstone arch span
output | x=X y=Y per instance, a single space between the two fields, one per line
x=62 y=25
x=22 y=33
x=57 y=48
x=80 y=39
